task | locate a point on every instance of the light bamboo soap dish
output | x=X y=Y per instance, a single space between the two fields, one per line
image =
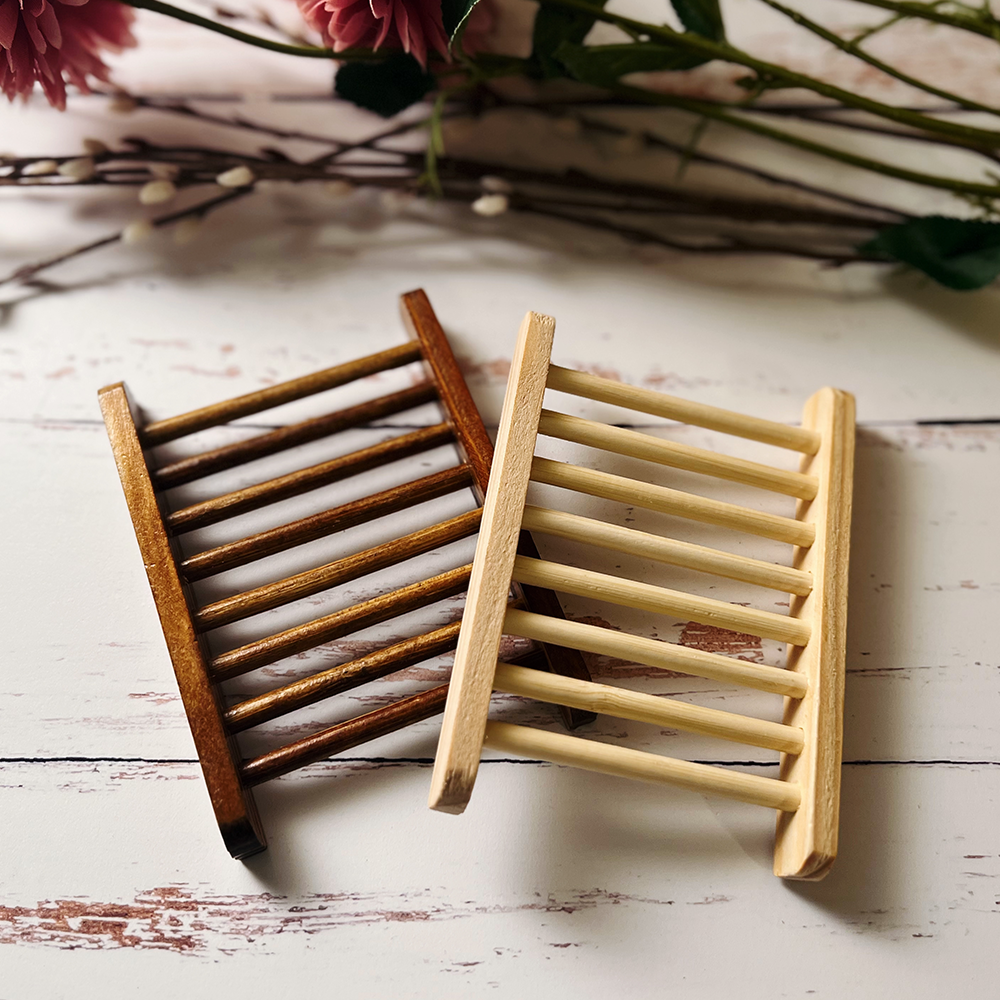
x=806 y=793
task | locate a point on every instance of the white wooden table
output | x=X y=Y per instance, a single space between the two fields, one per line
x=115 y=881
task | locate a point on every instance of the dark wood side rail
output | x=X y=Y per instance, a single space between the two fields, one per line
x=234 y=807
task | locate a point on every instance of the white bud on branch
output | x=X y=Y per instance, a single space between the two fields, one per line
x=491 y=204
x=80 y=169
x=156 y=192
x=238 y=177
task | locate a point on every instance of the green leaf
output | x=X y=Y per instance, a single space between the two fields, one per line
x=385 y=87
x=604 y=65
x=553 y=26
x=702 y=17
x=454 y=14
x=957 y=253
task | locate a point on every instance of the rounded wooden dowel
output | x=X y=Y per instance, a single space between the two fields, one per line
x=161 y=431
x=646 y=597
x=304 y=480
x=668 y=501
x=667 y=550
x=321 y=630
x=623 y=704
x=187 y=470
x=344 y=736
x=622 y=762
x=635 y=444
x=659 y=404
x=655 y=653
x=309 y=690
x=307 y=529
x=313 y=581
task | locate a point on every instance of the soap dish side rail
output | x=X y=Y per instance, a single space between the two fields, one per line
x=806 y=793
x=185 y=622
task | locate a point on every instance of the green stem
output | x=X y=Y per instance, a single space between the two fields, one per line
x=721 y=50
x=986 y=24
x=852 y=48
x=311 y=51
x=851 y=159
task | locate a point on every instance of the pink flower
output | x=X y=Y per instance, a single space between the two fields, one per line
x=55 y=42
x=411 y=25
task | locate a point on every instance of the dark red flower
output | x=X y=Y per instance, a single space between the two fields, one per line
x=411 y=25
x=55 y=42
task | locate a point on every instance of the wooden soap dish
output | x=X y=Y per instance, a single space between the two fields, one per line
x=806 y=793
x=185 y=622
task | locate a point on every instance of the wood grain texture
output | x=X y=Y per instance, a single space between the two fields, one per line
x=668 y=501
x=206 y=463
x=622 y=703
x=655 y=653
x=625 y=763
x=591 y=531
x=309 y=690
x=301 y=481
x=686 y=411
x=457 y=759
x=161 y=431
x=313 y=581
x=233 y=804
x=333 y=626
x=806 y=841
x=344 y=736
x=307 y=529
x=635 y=444
x=660 y=600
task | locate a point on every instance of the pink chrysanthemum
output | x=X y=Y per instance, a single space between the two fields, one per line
x=411 y=25
x=55 y=42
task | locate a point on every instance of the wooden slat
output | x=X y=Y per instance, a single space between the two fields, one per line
x=313 y=581
x=806 y=843
x=659 y=404
x=320 y=630
x=457 y=760
x=476 y=449
x=233 y=805
x=304 y=480
x=344 y=736
x=667 y=550
x=187 y=470
x=161 y=431
x=635 y=444
x=624 y=704
x=309 y=690
x=655 y=653
x=660 y=600
x=668 y=501
x=307 y=529
x=621 y=762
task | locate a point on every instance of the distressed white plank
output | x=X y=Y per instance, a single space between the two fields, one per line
x=610 y=901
